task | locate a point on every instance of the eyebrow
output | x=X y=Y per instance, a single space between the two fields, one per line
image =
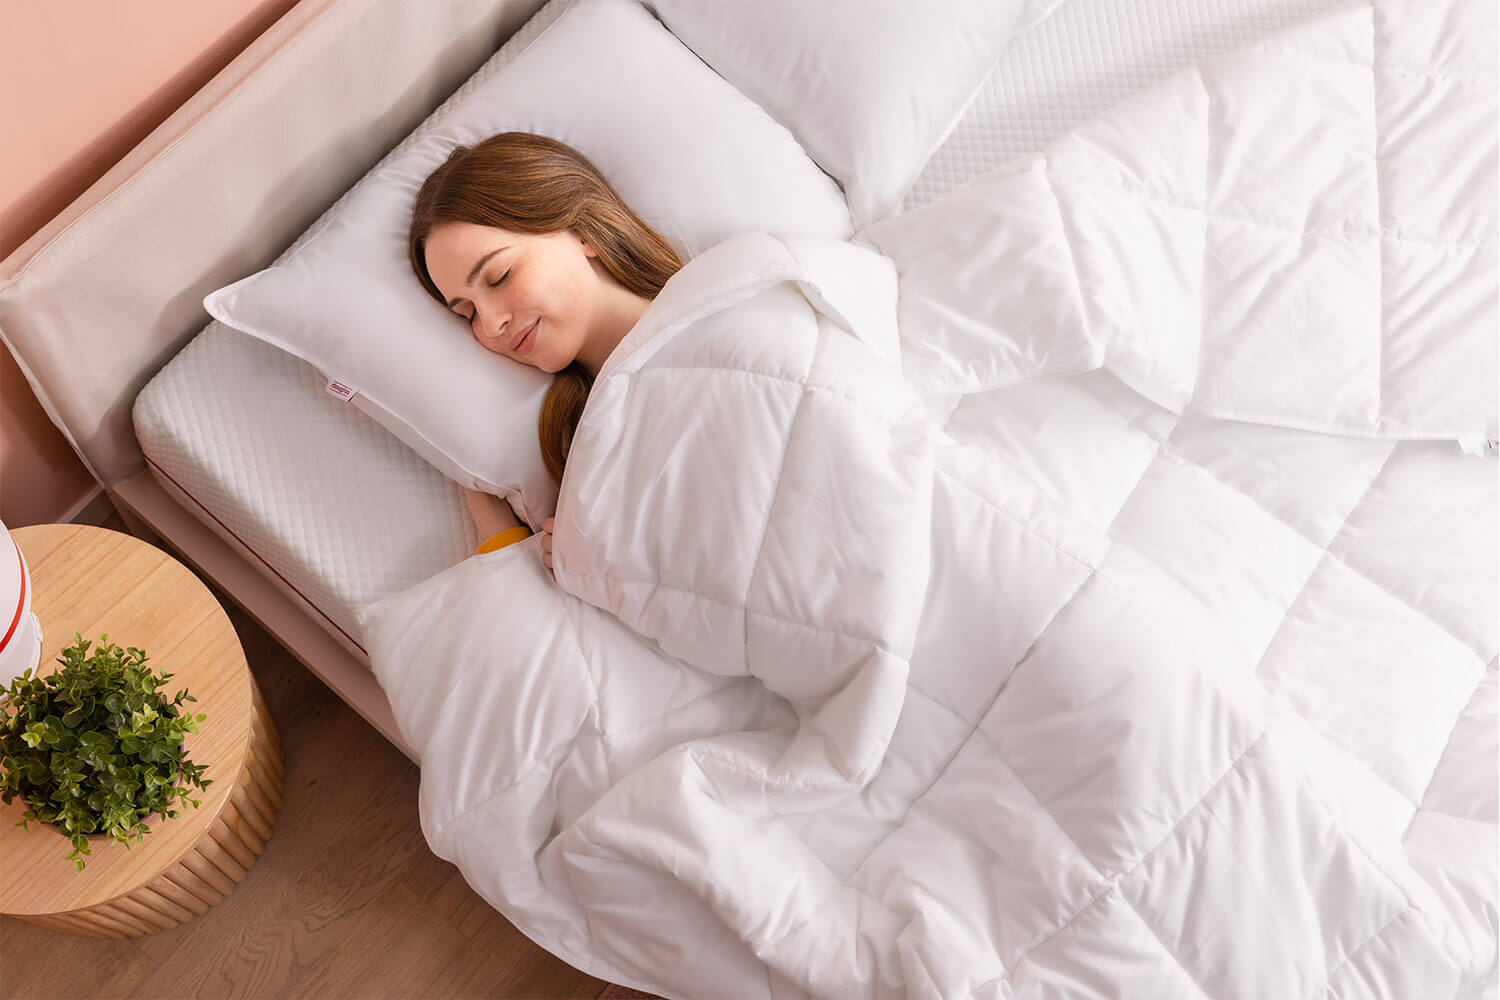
x=475 y=273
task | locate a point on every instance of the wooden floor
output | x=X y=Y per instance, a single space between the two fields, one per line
x=347 y=900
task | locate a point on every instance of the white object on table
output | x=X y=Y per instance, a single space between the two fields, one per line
x=20 y=631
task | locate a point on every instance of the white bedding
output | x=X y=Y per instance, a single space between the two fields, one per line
x=206 y=420
x=1083 y=585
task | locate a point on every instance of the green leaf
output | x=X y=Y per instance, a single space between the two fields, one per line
x=95 y=746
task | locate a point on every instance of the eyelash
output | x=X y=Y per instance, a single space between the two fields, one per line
x=493 y=284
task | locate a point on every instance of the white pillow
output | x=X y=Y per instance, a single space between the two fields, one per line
x=693 y=157
x=870 y=87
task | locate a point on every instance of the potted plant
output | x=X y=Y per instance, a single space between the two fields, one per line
x=94 y=748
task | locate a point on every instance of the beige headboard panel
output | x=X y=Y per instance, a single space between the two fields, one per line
x=94 y=304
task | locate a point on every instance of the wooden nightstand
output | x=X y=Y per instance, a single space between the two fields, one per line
x=93 y=580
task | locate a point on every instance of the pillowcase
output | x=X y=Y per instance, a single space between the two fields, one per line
x=693 y=157
x=870 y=87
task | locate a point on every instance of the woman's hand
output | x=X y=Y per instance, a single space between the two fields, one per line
x=547 y=543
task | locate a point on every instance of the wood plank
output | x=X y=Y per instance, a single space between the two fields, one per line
x=45 y=963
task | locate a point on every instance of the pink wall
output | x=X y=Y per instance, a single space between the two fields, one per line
x=84 y=81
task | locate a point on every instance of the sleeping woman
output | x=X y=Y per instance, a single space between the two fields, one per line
x=522 y=237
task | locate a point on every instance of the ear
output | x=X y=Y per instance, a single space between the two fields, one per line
x=588 y=248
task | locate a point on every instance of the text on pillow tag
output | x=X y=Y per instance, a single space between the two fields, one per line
x=343 y=390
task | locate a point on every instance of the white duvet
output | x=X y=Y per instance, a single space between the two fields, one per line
x=1084 y=585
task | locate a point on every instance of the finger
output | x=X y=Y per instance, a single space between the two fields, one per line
x=547 y=525
x=547 y=559
x=546 y=543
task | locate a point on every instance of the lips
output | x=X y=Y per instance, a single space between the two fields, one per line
x=522 y=343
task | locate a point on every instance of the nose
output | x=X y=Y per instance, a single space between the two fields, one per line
x=493 y=320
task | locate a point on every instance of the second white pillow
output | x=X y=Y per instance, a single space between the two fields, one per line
x=870 y=88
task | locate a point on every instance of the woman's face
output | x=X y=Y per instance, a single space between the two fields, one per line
x=504 y=283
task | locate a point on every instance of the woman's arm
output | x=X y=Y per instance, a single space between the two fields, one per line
x=493 y=517
x=498 y=525
x=490 y=513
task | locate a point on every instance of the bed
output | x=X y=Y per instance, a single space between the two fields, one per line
x=193 y=422
x=314 y=547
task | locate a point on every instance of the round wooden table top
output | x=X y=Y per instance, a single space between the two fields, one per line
x=93 y=580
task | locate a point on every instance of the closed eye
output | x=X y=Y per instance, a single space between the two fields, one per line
x=494 y=284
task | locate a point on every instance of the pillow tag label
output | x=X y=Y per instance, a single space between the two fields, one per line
x=1477 y=444
x=342 y=390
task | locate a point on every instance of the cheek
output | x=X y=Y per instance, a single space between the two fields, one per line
x=555 y=302
x=533 y=297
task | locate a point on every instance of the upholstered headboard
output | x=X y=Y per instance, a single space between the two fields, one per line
x=94 y=304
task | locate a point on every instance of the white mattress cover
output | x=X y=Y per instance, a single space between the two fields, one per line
x=343 y=514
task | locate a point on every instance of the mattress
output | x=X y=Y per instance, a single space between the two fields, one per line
x=341 y=513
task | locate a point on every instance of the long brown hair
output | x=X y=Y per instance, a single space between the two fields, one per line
x=532 y=184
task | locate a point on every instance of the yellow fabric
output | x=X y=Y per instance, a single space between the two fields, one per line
x=501 y=539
